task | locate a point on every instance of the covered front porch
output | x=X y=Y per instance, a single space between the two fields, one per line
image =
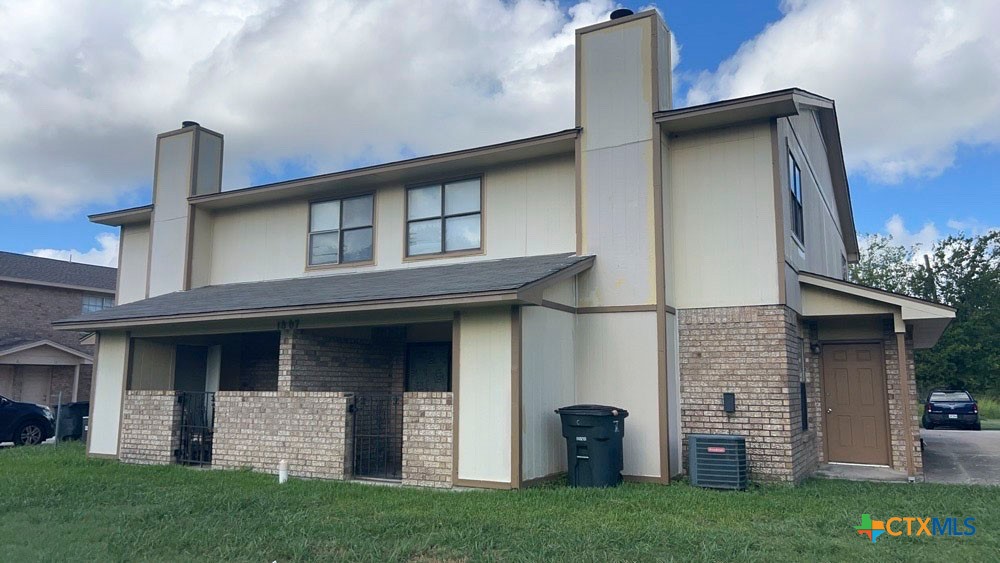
x=342 y=376
x=861 y=391
x=338 y=402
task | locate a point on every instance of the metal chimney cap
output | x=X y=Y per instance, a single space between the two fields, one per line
x=621 y=13
x=189 y=124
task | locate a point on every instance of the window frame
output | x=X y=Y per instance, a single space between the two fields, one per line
x=407 y=257
x=104 y=303
x=796 y=203
x=340 y=231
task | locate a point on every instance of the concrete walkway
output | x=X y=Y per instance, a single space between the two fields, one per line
x=860 y=473
x=961 y=457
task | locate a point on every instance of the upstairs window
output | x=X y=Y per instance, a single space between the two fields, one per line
x=92 y=303
x=795 y=185
x=340 y=230
x=443 y=218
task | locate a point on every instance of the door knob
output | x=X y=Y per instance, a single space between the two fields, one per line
x=828 y=411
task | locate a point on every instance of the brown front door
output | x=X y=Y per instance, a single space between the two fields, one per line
x=855 y=401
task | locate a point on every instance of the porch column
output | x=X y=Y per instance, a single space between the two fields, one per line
x=286 y=349
x=904 y=383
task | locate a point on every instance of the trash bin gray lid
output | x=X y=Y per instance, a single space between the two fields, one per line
x=593 y=410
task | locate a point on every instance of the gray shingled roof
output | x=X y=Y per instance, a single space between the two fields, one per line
x=482 y=276
x=47 y=270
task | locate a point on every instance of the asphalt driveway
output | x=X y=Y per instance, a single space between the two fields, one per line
x=961 y=457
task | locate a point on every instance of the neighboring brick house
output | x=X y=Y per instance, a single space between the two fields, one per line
x=420 y=320
x=39 y=364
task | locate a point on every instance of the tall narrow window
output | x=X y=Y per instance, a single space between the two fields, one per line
x=795 y=185
x=443 y=218
x=340 y=230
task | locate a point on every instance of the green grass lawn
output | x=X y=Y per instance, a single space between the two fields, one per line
x=57 y=505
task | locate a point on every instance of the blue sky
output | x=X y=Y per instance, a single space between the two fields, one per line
x=954 y=189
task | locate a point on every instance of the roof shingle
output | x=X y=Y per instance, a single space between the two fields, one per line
x=61 y=272
x=476 y=277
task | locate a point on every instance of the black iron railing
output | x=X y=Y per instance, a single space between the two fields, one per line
x=378 y=436
x=196 y=426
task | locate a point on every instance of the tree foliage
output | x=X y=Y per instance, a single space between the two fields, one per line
x=963 y=272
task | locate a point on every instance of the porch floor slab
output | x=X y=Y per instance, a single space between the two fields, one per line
x=860 y=473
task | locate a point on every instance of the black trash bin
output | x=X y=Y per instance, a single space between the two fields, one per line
x=594 y=453
x=71 y=420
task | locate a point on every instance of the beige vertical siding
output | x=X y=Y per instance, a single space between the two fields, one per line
x=259 y=243
x=152 y=366
x=134 y=241
x=484 y=396
x=616 y=364
x=616 y=97
x=548 y=381
x=527 y=210
x=722 y=218
x=201 y=248
x=170 y=214
x=109 y=380
x=823 y=249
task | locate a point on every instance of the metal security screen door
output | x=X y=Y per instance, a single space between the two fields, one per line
x=855 y=401
x=196 y=428
x=378 y=436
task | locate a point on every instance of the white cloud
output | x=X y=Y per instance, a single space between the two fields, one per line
x=104 y=254
x=912 y=80
x=85 y=86
x=970 y=226
x=921 y=240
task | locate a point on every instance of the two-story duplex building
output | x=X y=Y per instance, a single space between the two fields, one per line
x=37 y=363
x=421 y=320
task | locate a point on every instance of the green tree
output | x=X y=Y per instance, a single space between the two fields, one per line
x=884 y=265
x=963 y=272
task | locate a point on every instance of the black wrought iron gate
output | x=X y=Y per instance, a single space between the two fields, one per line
x=378 y=436
x=197 y=424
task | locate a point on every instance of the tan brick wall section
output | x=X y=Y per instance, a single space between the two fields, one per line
x=897 y=424
x=753 y=352
x=427 y=439
x=310 y=360
x=150 y=427
x=258 y=429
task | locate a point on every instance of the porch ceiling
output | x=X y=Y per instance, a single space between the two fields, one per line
x=510 y=280
x=828 y=297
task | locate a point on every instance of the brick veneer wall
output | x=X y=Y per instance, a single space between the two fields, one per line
x=754 y=353
x=150 y=427
x=258 y=370
x=27 y=312
x=427 y=439
x=897 y=396
x=258 y=429
x=316 y=361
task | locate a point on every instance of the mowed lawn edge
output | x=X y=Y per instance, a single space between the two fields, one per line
x=55 y=504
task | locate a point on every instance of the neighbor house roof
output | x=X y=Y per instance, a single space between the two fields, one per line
x=57 y=273
x=771 y=105
x=402 y=171
x=7 y=350
x=482 y=281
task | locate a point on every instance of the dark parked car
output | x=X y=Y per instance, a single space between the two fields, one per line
x=25 y=424
x=951 y=407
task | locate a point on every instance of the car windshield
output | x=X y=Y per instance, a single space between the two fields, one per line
x=950 y=396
